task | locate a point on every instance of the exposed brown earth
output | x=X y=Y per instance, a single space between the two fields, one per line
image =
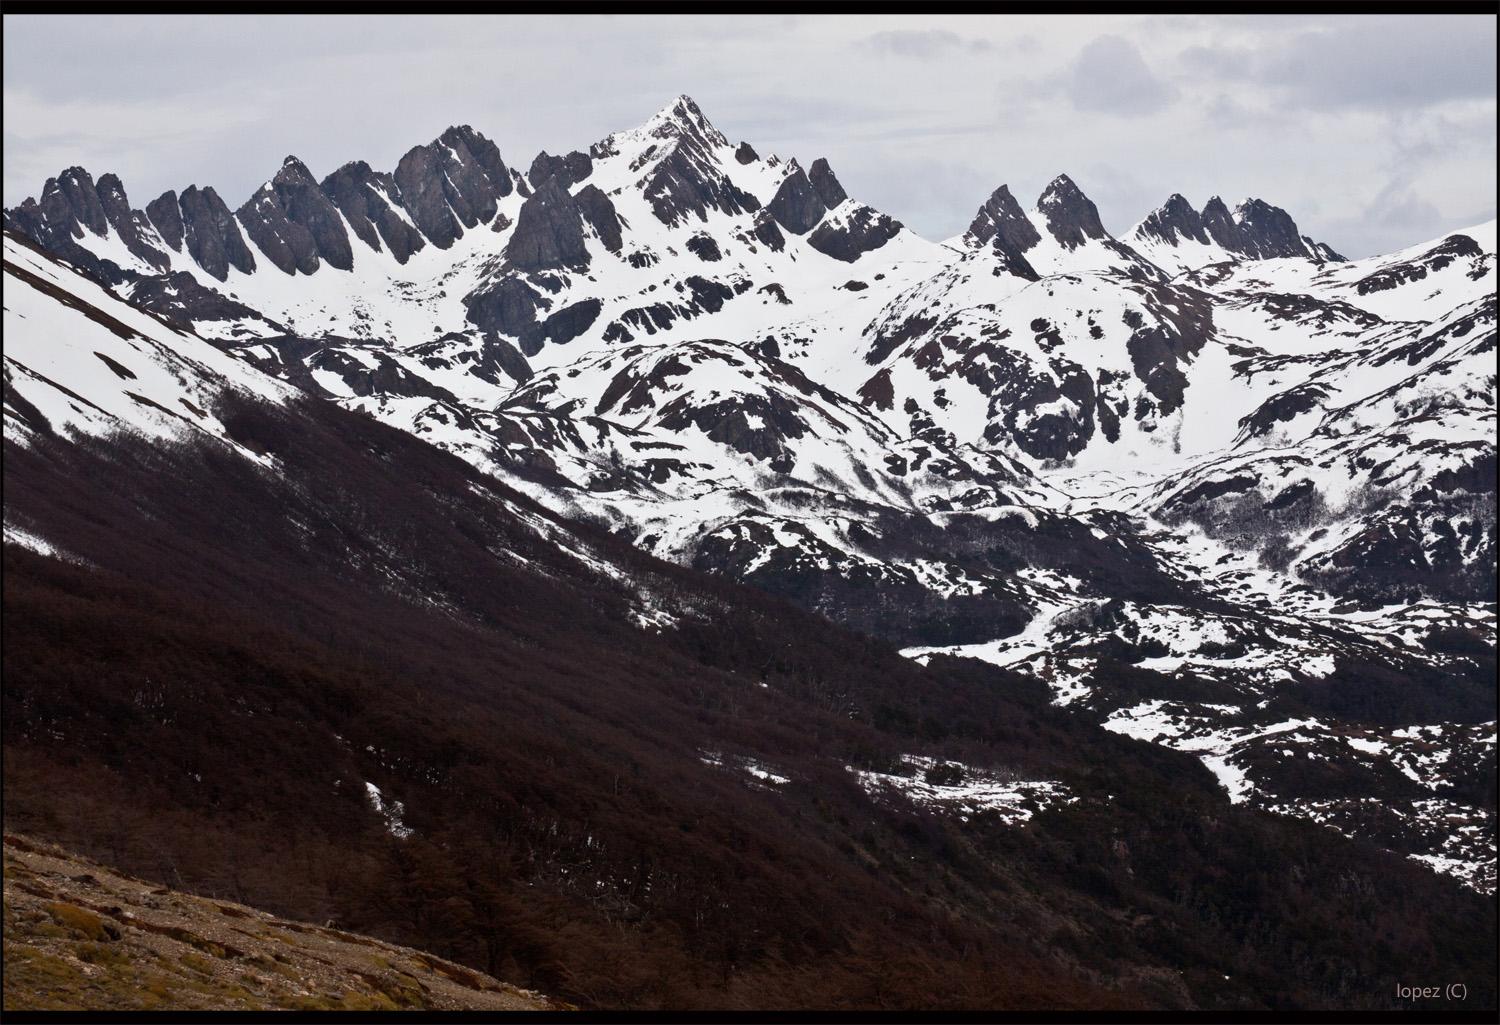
x=79 y=936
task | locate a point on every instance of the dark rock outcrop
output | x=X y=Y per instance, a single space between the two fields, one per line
x=863 y=231
x=703 y=246
x=293 y=222
x=1071 y=217
x=211 y=233
x=181 y=299
x=597 y=209
x=1176 y=219
x=826 y=184
x=1001 y=216
x=367 y=200
x=1268 y=231
x=166 y=217
x=69 y=207
x=688 y=182
x=746 y=154
x=1218 y=224
x=452 y=184
x=797 y=206
x=508 y=306
x=1256 y=229
x=549 y=232
x=768 y=233
x=131 y=225
x=572 y=168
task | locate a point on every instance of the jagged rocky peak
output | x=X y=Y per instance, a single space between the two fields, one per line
x=369 y=201
x=678 y=154
x=682 y=118
x=166 y=218
x=570 y=169
x=73 y=194
x=1269 y=231
x=211 y=233
x=797 y=206
x=294 y=223
x=69 y=204
x=1254 y=229
x=1001 y=218
x=1175 y=219
x=452 y=184
x=1071 y=217
x=73 y=206
x=826 y=184
x=132 y=226
x=549 y=231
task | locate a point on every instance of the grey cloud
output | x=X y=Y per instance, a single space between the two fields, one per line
x=925 y=44
x=1397 y=211
x=1380 y=63
x=1110 y=77
x=1220 y=61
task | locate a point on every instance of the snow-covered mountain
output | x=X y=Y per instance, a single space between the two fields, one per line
x=1202 y=478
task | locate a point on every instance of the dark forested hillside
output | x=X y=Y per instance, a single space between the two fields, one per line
x=366 y=686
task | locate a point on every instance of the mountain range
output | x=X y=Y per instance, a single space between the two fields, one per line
x=1206 y=484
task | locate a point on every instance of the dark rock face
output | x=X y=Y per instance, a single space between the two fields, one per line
x=1176 y=219
x=825 y=184
x=131 y=225
x=597 y=209
x=703 y=246
x=293 y=222
x=1268 y=231
x=211 y=233
x=865 y=230
x=72 y=196
x=1454 y=247
x=366 y=198
x=488 y=356
x=181 y=299
x=167 y=219
x=1256 y=229
x=563 y=326
x=686 y=182
x=746 y=154
x=768 y=233
x=1002 y=217
x=1002 y=224
x=1281 y=407
x=419 y=178
x=549 y=232
x=700 y=295
x=1218 y=224
x=1071 y=217
x=476 y=176
x=572 y=168
x=70 y=205
x=797 y=206
x=452 y=184
x=508 y=306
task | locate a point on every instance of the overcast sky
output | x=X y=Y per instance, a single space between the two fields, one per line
x=1374 y=132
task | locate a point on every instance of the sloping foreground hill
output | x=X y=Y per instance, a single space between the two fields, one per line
x=79 y=935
